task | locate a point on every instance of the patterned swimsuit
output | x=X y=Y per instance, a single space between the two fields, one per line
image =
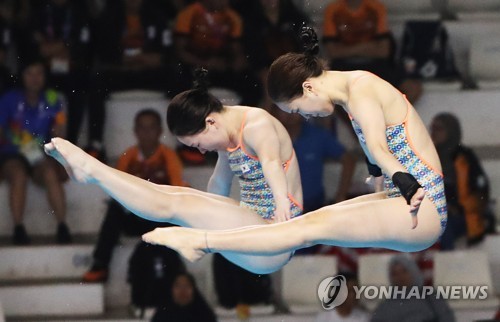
x=255 y=192
x=401 y=147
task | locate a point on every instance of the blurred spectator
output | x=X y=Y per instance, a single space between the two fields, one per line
x=466 y=183
x=404 y=272
x=30 y=117
x=271 y=29
x=356 y=36
x=208 y=34
x=5 y=43
x=426 y=52
x=237 y=288
x=149 y=160
x=7 y=80
x=314 y=146
x=188 y=305
x=350 y=310
x=60 y=32
x=151 y=270
x=134 y=49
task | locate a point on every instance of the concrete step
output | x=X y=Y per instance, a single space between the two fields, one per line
x=301 y=278
x=465 y=267
x=85 y=209
x=51 y=297
x=44 y=261
x=122 y=314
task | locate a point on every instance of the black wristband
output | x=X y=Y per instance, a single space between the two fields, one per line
x=373 y=170
x=407 y=184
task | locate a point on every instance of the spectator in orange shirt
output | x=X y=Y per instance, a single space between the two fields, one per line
x=149 y=160
x=208 y=34
x=134 y=50
x=356 y=36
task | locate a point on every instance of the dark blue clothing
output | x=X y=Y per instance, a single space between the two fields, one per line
x=21 y=123
x=313 y=146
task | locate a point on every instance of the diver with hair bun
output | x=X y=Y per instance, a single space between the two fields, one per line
x=251 y=144
x=402 y=162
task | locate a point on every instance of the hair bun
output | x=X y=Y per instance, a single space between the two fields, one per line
x=309 y=41
x=200 y=79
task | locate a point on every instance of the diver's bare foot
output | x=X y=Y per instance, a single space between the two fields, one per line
x=76 y=162
x=188 y=242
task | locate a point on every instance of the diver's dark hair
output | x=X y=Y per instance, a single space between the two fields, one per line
x=188 y=110
x=309 y=40
x=148 y=112
x=289 y=71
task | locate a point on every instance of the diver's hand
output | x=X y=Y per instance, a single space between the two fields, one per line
x=415 y=203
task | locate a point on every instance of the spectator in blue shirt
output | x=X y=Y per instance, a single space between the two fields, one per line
x=29 y=117
x=313 y=146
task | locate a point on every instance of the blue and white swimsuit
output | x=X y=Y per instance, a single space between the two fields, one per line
x=255 y=192
x=400 y=145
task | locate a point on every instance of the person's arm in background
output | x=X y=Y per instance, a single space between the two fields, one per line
x=174 y=168
x=222 y=178
x=334 y=149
